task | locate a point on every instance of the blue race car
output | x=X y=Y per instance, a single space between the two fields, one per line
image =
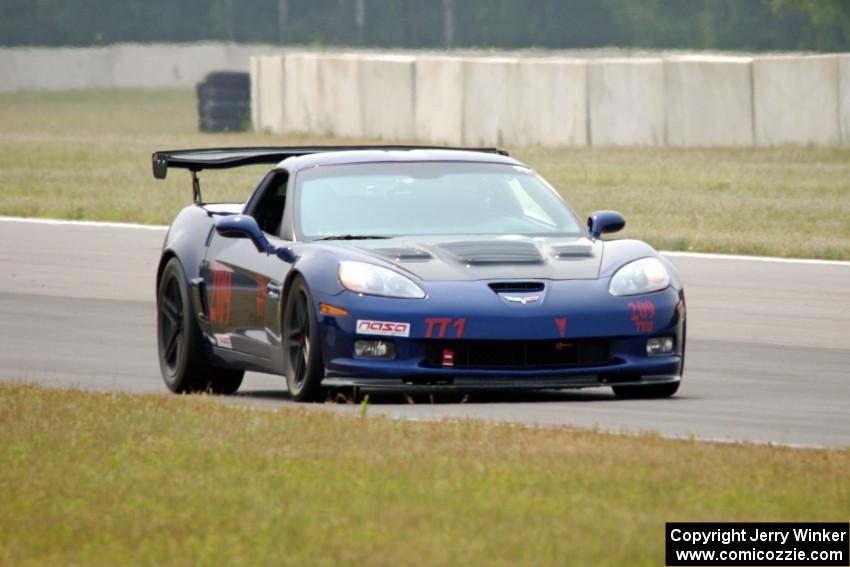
x=411 y=269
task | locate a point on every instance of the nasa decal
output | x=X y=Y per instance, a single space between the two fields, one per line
x=383 y=328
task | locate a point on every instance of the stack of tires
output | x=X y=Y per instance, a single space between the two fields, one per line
x=224 y=101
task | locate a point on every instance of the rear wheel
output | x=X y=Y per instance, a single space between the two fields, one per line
x=182 y=360
x=302 y=351
x=646 y=392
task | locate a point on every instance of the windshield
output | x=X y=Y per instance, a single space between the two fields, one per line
x=394 y=199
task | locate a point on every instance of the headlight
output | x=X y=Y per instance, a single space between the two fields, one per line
x=641 y=276
x=375 y=280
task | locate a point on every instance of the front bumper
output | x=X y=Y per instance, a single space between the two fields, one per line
x=569 y=311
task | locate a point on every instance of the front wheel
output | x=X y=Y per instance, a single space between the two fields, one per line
x=649 y=391
x=182 y=360
x=302 y=352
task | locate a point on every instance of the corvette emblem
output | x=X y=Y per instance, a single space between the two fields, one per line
x=524 y=299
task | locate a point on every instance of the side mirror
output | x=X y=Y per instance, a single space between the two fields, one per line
x=243 y=226
x=601 y=222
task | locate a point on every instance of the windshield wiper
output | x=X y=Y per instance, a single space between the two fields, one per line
x=353 y=237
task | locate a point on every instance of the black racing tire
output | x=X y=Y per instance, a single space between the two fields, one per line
x=233 y=119
x=214 y=125
x=302 y=352
x=224 y=109
x=207 y=92
x=649 y=391
x=228 y=79
x=182 y=360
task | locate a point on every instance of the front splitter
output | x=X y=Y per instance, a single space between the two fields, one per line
x=512 y=383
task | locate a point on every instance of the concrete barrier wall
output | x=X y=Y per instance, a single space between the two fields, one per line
x=120 y=65
x=302 y=107
x=268 y=105
x=546 y=103
x=238 y=56
x=796 y=100
x=844 y=93
x=709 y=101
x=51 y=69
x=512 y=101
x=439 y=100
x=142 y=66
x=254 y=73
x=486 y=101
x=339 y=95
x=387 y=91
x=626 y=102
x=485 y=91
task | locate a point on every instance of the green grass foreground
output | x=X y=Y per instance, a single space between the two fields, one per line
x=101 y=479
x=86 y=155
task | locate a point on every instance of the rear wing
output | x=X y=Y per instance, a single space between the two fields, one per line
x=226 y=158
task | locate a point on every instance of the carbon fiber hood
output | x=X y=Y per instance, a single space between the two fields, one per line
x=483 y=258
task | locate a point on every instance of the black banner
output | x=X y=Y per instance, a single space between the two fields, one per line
x=787 y=543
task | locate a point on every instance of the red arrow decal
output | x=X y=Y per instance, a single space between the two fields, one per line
x=561 y=322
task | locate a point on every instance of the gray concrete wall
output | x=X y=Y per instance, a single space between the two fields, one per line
x=339 y=95
x=709 y=101
x=547 y=103
x=844 y=93
x=387 y=91
x=626 y=102
x=120 y=65
x=439 y=99
x=796 y=100
x=144 y=66
x=485 y=104
x=268 y=104
x=522 y=100
x=51 y=68
x=302 y=108
x=681 y=100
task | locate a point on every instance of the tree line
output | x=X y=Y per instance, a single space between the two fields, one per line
x=733 y=25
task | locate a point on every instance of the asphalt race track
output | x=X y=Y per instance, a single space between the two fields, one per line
x=768 y=354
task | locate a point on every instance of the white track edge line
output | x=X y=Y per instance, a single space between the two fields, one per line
x=774 y=259
x=97 y=224
x=672 y=254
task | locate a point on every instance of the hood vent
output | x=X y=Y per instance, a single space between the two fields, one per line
x=403 y=254
x=494 y=252
x=516 y=287
x=572 y=251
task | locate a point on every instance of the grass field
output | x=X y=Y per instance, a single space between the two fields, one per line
x=100 y=479
x=86 y=155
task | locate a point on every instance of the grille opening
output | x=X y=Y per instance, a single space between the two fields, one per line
x=521 y=354
x=501 y=287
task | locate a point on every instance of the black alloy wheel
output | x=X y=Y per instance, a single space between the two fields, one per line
x=182 y=360
x=302 y=351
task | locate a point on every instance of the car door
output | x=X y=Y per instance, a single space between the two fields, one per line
x=243 y=284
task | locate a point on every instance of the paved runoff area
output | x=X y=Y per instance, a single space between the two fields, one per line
x=768 y=355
